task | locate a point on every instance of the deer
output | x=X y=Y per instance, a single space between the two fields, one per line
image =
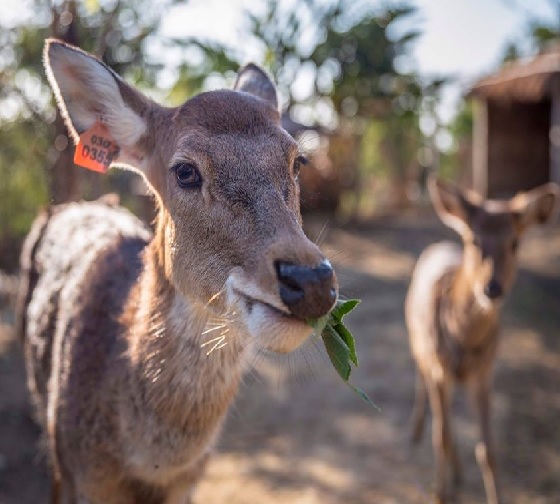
x=452 y=313
x=136 y=341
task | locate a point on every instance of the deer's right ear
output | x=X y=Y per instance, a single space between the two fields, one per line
x=87 y=91
x=451 y=205
x=253 y=79
x=536 y=206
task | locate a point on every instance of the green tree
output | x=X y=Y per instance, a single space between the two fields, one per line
x=371 y=94
x=539 y=34
x=544 y=32
x=456 y=163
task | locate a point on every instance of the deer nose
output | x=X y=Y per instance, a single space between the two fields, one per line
x=309 y=292
x=493 y=289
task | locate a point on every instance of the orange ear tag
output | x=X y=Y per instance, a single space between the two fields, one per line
x=96 y=149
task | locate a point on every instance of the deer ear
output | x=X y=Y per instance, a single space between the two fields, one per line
x=254 y=80
x=536 y=206
x=88 y=91
x=452 y=206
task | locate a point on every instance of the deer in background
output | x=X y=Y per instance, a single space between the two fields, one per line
x=453 y=314
x=135 y=344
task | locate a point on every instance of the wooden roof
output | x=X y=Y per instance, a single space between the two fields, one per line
x=524 y=80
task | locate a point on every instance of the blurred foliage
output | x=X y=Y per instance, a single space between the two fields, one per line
x=511 y=53
x=539 y=33
x=462 y=124
x=347 y=48
x=456 y=162
x=352 y=53
x=543 y=33
x=382 y=104
x=363 y=57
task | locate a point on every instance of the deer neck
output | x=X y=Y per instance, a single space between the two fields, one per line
x=188 y=379
x=465 y=316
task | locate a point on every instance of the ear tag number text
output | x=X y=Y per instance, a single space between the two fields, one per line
x=96 y=149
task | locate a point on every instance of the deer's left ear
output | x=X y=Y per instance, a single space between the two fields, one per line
x=452 y=205
x=536 y=206
x=89 y=92
x=254 y=80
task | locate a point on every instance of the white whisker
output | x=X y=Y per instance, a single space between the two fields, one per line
x=308 y=362
x=219 y=344
x=321 y=236
x=216 y=296
x=217 y=347
x=220 y=338
x=215 y=328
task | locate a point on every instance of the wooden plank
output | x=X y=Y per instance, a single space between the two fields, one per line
x=480 y=146
x=555 y=136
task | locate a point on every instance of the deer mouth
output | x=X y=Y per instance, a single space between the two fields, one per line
x=251 y=302
x=268 y=322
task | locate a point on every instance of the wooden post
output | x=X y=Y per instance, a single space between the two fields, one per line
x=555 y=136
x=480 y=146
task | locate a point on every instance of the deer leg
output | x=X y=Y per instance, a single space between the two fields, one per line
x=63 y=490
x=451 y=447
x=444 y=450
x=419 y=410
x=65 y=493
x=485 y=450
x=56 y=498
x=455 y=461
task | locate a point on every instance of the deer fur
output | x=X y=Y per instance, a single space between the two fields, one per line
x=453 y=314
x=136 y=342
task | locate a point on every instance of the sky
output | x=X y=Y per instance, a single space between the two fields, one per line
x=460 y=38
x=467 y=38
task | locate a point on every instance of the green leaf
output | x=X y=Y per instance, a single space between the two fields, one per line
x=364 y=396
x=339 y=342
x=347 y=337
x=338 y=352
x=343 y=307
x=318 y=324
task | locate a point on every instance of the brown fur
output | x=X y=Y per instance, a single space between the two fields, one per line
x=119 y=326
x=453 y=325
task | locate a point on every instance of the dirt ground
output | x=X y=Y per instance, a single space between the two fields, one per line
x=298 y=435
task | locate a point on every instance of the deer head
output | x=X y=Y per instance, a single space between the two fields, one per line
x=491 y=231
x=225 y=177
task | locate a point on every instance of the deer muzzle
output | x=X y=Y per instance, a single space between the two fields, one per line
x=493 y=289
x=307 y=291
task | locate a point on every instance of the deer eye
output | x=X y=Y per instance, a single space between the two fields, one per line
x=298 y=163
x=187 y=175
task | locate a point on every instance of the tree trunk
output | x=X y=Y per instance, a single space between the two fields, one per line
x=63 y=176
